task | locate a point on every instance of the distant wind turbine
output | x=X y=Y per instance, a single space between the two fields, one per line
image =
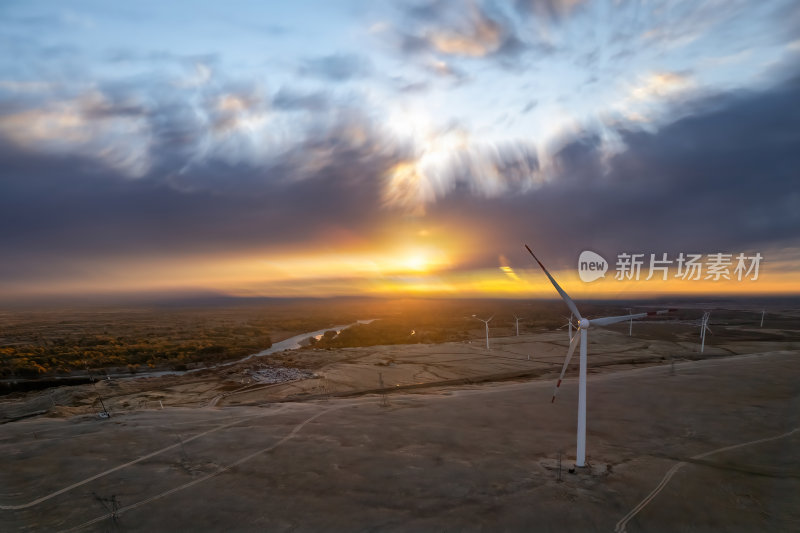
x=583 y=326
x=486 y=323
x=703 y=328
x=516 y=320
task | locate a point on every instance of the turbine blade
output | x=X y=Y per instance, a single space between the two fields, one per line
x=564 y=295
x=607 y=320
x=572 y=344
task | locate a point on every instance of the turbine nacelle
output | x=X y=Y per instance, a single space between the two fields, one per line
x=583 y=323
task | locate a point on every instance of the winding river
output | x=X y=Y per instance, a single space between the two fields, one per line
x=292 y=343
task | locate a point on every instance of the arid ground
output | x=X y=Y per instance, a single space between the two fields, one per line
x=426 y=437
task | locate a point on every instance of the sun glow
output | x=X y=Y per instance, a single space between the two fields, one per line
x=417 y=263
x=424 y=271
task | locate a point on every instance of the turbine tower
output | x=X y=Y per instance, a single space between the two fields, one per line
x=583 y=326
x=703 y=328
x=516 y=320
x=486 y=323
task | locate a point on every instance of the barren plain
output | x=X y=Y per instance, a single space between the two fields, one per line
x=426 y=437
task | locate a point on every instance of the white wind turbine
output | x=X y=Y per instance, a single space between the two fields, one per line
x=486 y=322
x=703 y=328
x=516 y=320
x=583 y=326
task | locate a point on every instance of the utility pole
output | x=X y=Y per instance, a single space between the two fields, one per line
x=104 y=413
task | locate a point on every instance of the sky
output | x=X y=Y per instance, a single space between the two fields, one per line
x=317 y=148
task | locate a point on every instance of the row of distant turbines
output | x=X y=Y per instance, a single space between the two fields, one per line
x=580 y=337
x=486 y=323
x=630 y=317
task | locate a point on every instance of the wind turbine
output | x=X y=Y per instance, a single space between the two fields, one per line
x=703 y=328
x=486 y=323
x=516 y=320
x=583 y=326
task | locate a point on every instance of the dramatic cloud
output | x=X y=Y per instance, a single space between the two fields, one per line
x=723 y=180
x=54 y=207
x=458 y=29
x=659 y=85
x=448 y=130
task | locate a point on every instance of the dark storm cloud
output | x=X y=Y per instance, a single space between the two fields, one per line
x=207 y=187
x=721 y=181
x=59 y=210
x=337 y=67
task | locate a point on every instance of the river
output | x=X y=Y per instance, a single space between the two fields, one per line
x=292 y=343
